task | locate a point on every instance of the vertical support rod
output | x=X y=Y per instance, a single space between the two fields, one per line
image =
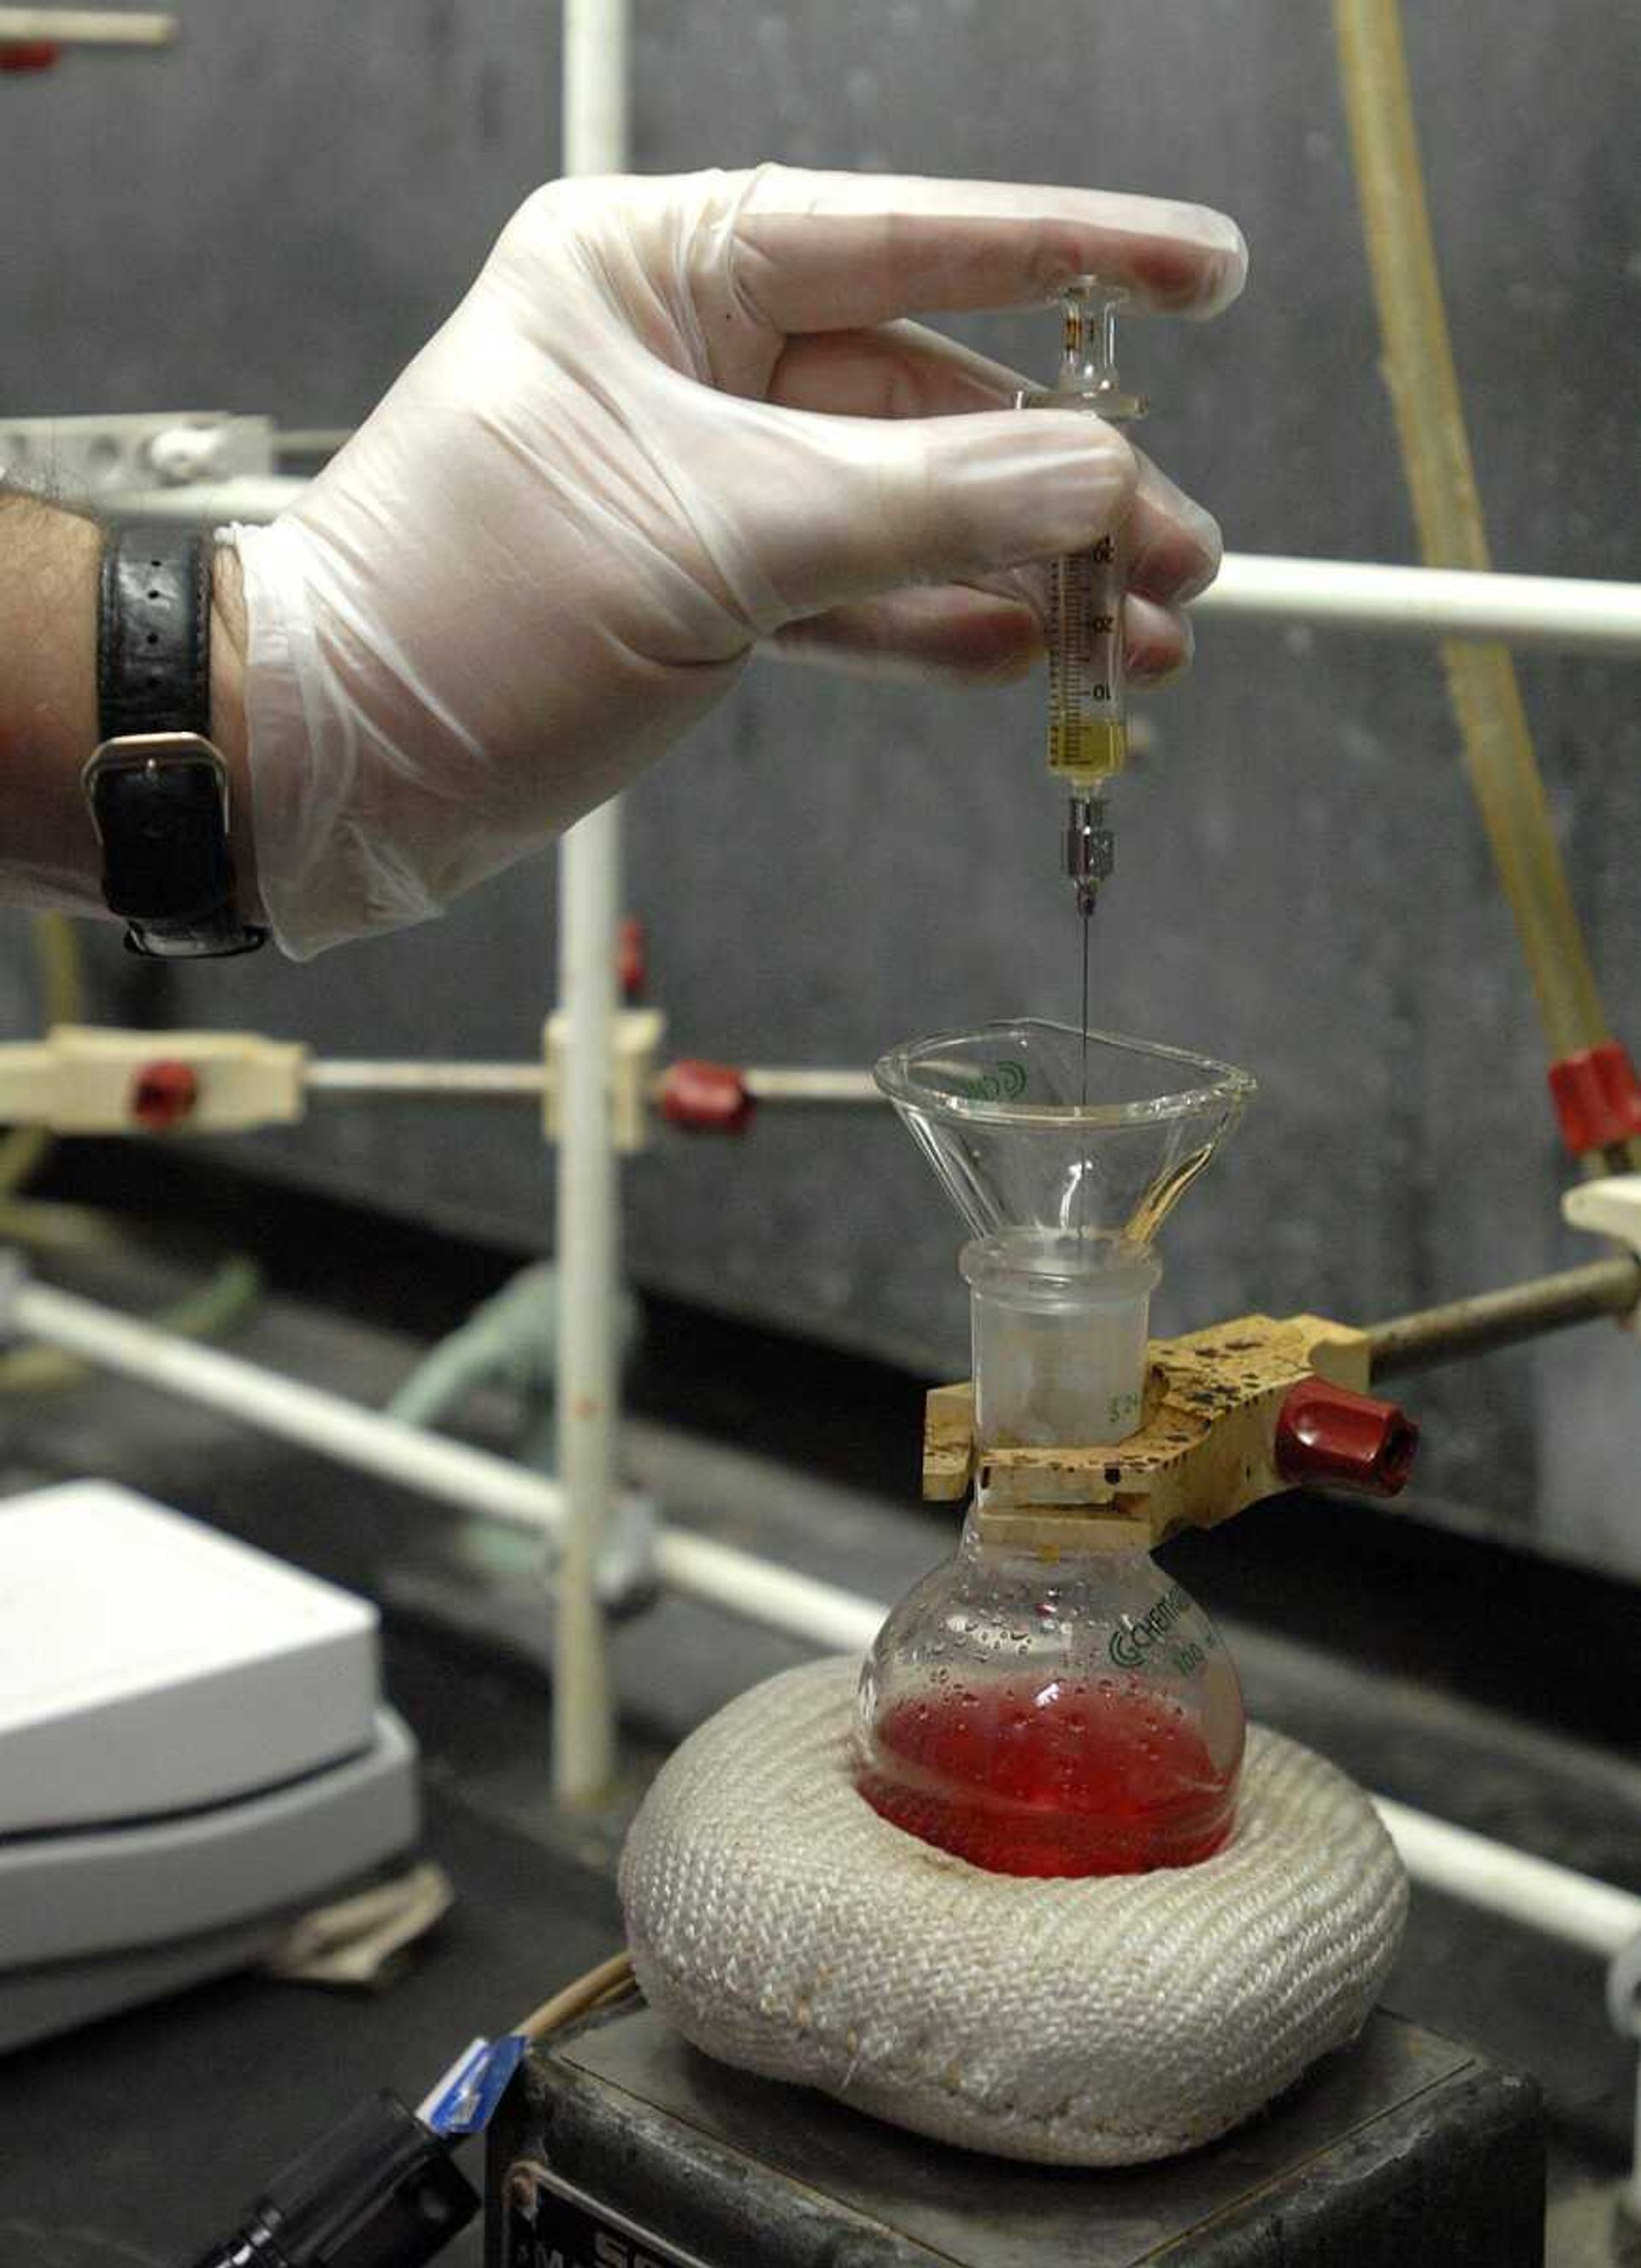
x=597 y=41
x=596 y=46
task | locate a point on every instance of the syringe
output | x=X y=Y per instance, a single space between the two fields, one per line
x=1087 y=705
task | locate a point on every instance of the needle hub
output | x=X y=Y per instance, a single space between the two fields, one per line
x=1090 y=849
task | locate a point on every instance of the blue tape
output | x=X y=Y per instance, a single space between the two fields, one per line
x=468 y=2099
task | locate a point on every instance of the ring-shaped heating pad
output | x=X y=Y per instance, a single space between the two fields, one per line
x=781 y=1925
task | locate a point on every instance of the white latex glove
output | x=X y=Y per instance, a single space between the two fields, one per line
x=671 y=419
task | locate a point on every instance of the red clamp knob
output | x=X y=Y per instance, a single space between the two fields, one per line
x=28 y=55
x=1597 y=1097
x=709 y=1098
x=631 y=961
x=1327 y=1435
x=163 y=1094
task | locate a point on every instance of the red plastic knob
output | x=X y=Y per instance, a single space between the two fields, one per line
x=1597 y=1097
x=707 y=1097
x=29 y=55
x=632 y=968
x=163 y=1094
x=1327 y=1435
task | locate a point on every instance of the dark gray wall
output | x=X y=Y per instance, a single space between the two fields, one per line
x=272 y=218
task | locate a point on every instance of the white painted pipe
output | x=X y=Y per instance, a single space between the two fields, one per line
x=588 y=1244
x=367 y=1075
x=797 y=1085
x=310 y=440
x=88 y=27
x=1423 y=605
x=248 y=497
x=588 y=1253
x=1564 y=614
x=596 y=42
x=341 y=1075
x=469 y=1480
x=426 y=1463
x=774 y=1597
x=1594 y=1916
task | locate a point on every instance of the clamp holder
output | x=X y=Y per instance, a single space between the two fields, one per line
x=1232 y=1415
x=1609 y=1207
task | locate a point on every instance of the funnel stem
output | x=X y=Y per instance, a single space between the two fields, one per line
x=1060 y=1321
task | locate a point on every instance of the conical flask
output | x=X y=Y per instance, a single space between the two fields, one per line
x=1062 y=1712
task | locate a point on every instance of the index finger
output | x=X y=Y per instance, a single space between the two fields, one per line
x=815 y=252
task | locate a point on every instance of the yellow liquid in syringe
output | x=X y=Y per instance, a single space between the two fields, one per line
x=1088 y=704
x=1085 y=751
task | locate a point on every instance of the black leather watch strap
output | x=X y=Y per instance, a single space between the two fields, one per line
x=154 y=634
x=157 y=790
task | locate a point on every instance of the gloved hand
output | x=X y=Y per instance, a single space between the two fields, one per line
x=671 y=419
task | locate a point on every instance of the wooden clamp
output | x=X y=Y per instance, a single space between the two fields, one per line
x=1205 y=1451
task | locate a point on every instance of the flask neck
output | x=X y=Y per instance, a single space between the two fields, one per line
x=986 y=1559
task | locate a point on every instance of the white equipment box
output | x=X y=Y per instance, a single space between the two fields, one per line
x=192 y=1748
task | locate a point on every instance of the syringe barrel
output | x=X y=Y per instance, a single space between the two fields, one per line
x=1087 y=702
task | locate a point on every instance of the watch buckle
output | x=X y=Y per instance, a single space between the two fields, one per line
x=130 y=752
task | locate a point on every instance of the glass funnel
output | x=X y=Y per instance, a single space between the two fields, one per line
x=1060 y=1711
x=1064 y=1152
x=1036 y=1125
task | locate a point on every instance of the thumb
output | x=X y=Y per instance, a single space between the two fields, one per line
x=857 y=506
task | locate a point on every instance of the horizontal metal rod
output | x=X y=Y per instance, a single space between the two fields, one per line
x=88 y=27
x=828 y=1087
x=1566 y=613
x=781 y=1085
x=250 y=497
x=1561 y=614
x=339 y=1075
x=1500 y=1319
x=1579 y=1910
x=310 y=440
x=467 y=1480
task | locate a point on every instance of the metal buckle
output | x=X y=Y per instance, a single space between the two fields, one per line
x=130 y=752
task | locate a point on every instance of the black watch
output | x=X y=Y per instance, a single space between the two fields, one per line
x=156 y=788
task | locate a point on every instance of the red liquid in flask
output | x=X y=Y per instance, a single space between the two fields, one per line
x=1061 y=1778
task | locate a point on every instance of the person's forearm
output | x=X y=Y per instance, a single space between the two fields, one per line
x=48 y=563
x=49 y=560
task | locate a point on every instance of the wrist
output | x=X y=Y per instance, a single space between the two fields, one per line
x=47 y=702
